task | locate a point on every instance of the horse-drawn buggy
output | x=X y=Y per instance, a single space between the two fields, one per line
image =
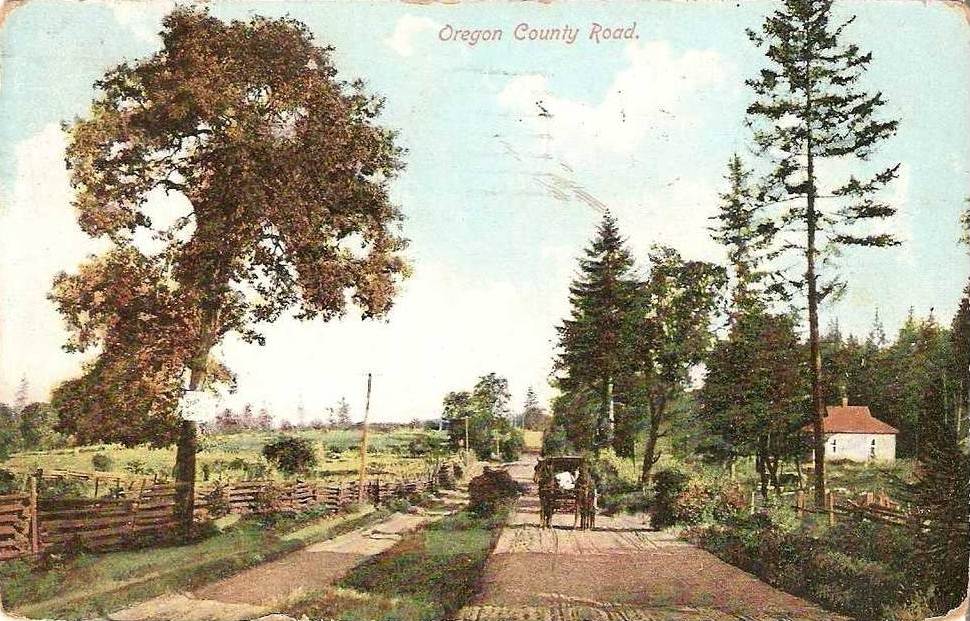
x=566 y=486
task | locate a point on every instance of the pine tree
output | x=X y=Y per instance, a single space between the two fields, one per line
x=590 y=345
x=22 y=397
x=342 y=413
x=534 y=417
x=809 y=109
x=746 y=233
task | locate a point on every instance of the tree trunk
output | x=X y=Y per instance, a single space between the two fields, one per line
x=605 y=424
x=818 y=406
x=185 y=457
x=650 y=455
x=185 y=478
x=760 y=466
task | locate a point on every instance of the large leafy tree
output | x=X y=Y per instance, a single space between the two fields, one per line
x=666 y=336
x=590 y=348
x=281 y=174
x=810 y=110
x=754 y=393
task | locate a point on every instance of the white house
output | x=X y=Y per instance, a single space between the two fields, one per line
x=853 y=434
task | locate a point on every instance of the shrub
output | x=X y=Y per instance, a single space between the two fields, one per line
x=489 y=491
x=842 y=568
x=693 y=497
x=668 y=485
x=136 y=466
x=8 y=482
x=102 y=462
x=60 y=488
x=511 y=447
x=555 y=441
x=291 y=454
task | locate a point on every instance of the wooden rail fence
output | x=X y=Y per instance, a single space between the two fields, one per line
x=29 y=525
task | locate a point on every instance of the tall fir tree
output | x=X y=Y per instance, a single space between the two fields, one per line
x=590 y=347
x=742 y=228
x=810 y=109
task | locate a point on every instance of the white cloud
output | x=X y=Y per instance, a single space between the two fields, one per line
x=653 y=96
x=39 y=237
x=405 y=30
x=445 y=331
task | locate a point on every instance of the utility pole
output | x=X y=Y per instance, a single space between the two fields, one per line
x=361 y=490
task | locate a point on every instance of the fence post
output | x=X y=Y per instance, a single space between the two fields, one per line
x=34 y=526
x=830 y=507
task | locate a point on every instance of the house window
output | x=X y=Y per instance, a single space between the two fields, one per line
x=872 y=448
x=833 y=445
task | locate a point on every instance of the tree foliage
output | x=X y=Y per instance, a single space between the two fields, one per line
x=590 y=348
x=291 y=454
x=810 y=110
x=669 y=334
x=755 y=392
x=534 y=416
x=277 y=175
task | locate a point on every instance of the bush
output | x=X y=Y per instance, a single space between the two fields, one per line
x=60 y=489
x=489 y=491
x=849 y=568
x=618 y=484
x=686 y=497
x=511 y=447
x=555 y=441
x=8 y=482
x=102 y=462
x=291 y=454
x=136 y=466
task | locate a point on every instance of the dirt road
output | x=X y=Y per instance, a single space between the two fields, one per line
x=620 y=570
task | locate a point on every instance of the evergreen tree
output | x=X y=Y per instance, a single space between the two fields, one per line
x=534 y=417
x=342 y=413
x=809 y=109
x=22 y=397
x=941 y=497
x=590 y=356
x=37 y=423
x=746 y=234
x=960 y=366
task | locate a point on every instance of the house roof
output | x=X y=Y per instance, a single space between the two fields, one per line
x=852 y=419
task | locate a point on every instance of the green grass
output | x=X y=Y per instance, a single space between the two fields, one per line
x=337 y=454
x=95 y=584
x=428 y=575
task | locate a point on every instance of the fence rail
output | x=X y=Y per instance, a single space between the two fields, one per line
x=29 y=526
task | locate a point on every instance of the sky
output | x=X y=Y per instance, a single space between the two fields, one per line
x=500 y=199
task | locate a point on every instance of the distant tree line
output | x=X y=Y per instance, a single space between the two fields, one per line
x=28 y=425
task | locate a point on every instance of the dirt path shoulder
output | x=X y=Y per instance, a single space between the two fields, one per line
x=258 y=591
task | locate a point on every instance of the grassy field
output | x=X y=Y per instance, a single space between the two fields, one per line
x=238 y=455
x=428 y=575
x=91 y=585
